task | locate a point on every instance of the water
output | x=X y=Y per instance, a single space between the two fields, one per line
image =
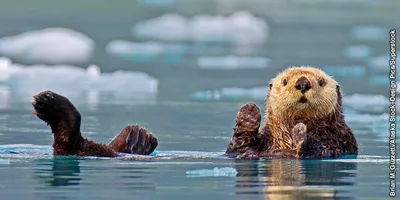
x=186 y=84
x=188 y=162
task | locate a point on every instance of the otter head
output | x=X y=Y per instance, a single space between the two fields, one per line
x=302 y=92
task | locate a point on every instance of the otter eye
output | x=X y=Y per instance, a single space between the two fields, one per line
x=270 y=85
x=285 y=82
x=321 y=82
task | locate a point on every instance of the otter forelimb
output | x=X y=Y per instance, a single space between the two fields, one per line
x=246 y=136
x=65 y=121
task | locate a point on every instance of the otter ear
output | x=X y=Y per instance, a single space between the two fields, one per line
x=338 y=90
x=270 y=83
x=339 y=95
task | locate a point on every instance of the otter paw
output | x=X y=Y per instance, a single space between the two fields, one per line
x=44 y=105
x=56 y=110
x=248 y=118
x=299 y=127
x=146 y=142
x=134 y=140
x=299 y=134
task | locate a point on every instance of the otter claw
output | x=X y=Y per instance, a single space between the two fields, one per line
x=44 y=96
x=132 y=138
x=142 y=139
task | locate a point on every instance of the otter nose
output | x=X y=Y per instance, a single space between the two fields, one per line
x=303 y=84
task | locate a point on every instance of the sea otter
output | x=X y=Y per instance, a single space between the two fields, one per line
x=65 y=122
x=304 y=119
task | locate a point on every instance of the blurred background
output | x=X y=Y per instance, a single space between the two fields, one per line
x=191 y=49
x=182 y=69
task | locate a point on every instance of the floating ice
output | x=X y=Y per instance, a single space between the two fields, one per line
x=381 y=64
x=35 y=78
x=231 y=62
x=241 y=27
x=232 y=93
x=50 y=46
x=369 y=33
x=149 y=51
x=170 y=26
x=377 y=124
x=366 y=118
x=167 y=52
x=224 y=171
x=121 y=47
x=379 y=80
x=358 y=51
x=368 y=103
x=345 y=71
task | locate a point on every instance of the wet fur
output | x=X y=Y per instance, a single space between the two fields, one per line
x=65 y=121
x=326 y=133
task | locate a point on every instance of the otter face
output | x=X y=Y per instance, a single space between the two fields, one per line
x=302 y=92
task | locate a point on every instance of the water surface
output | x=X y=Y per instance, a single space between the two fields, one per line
x=188 y=162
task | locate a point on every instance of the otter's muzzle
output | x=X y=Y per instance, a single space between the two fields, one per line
x=303 y=84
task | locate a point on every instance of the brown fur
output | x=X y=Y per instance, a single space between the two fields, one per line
x=292 y=128
x=65 y=121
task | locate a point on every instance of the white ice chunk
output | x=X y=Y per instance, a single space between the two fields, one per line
x=381 y=64
x=223 y=171
x=36 y=78
x=231 y=93
x=50 y=46
x=241 y=28
x=169 y=26
x=231 y=62
x=121 y=47
x=367 y=102
x=369 y=33
x=358 y=51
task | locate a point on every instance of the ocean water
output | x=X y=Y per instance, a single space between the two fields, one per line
x=182 y=69
x=188 y=162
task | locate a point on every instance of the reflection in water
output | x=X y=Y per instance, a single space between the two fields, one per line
x=64 y=171
x=293 y=179
x=134 y=178
x=5 y=97
x=92 y=99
